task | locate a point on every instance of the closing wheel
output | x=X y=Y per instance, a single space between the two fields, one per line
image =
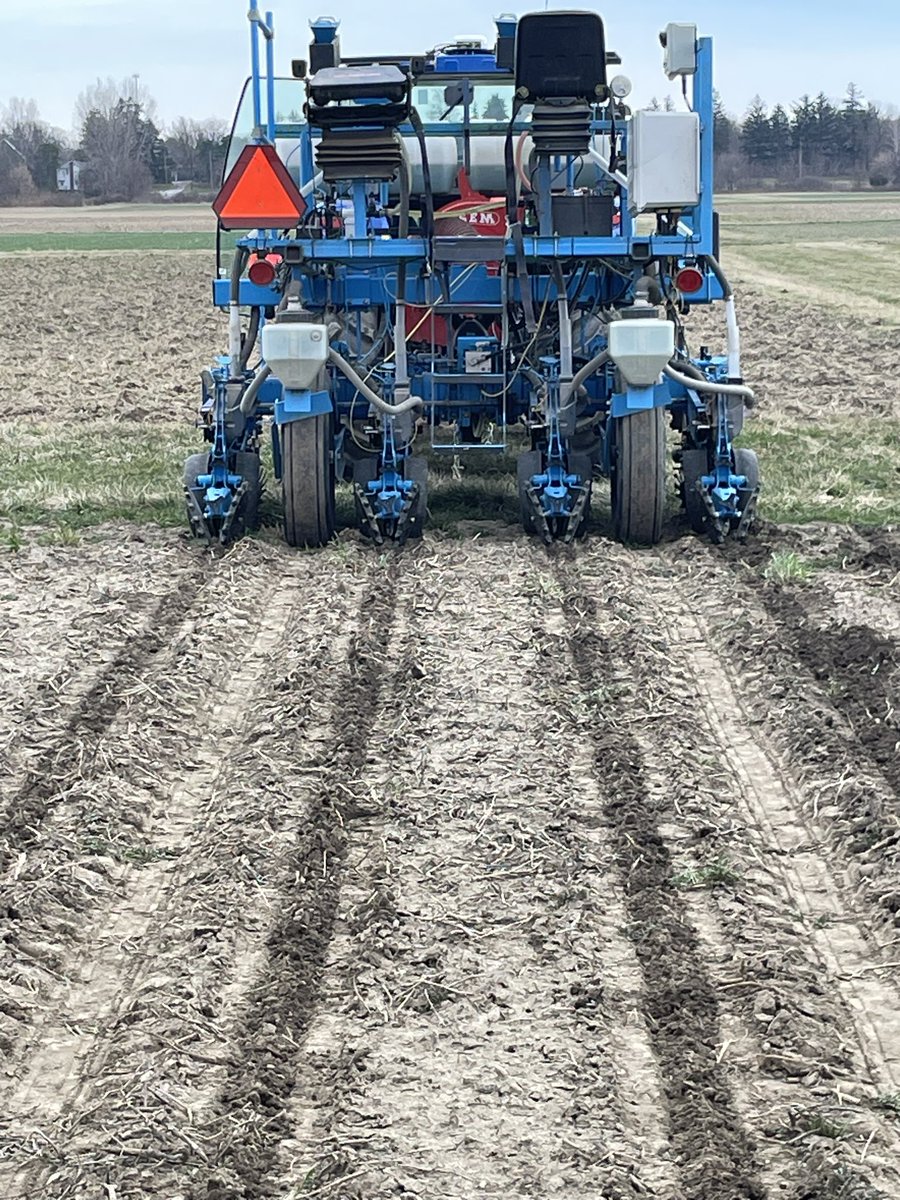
x=746 y=463
x=307 y=481
x=694 y=465
x=416 y=470
x=247 y=465
x=195 y=466
x=639 y=477
x=581 y=464
x=528 y=465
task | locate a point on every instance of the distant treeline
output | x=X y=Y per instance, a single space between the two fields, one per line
x=122 y=152
x=809 y=145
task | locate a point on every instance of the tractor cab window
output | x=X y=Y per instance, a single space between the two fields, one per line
x=290 y=97
x=491 y=102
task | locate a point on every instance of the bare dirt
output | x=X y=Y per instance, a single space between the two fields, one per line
x=107 y=218
x=120 y=336
x=464 y=871
x=468 y=870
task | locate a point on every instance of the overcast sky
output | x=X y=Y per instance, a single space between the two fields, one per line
x=192 y=54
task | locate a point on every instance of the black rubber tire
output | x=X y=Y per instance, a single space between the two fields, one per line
x=416 y=469
x=694 y=464
x=527 y=465
x=307 y=481
x=639 y=477
x=247 y=464
x=366 y=469
x=582 y=464
x=746 y=463
x=195 y=466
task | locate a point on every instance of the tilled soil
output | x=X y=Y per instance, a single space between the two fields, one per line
x=124 y=335
x=114 y=335
x=472 y=869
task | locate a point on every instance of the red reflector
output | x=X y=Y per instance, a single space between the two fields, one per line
x=259 y=193
x=261 y=272
x=689 y=280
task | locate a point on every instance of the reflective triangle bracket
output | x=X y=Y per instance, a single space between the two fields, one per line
x=259 y=193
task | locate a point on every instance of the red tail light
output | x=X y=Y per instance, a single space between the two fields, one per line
x=262 y=272
x=689 y=280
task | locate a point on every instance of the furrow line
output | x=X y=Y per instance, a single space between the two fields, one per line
x=242 y=1131
x=477 y=1008
x=845 y=798
x=88 y=710
x=785 y=1037
x=111 y=820
x=193 y=931
x=716 y=1152
x=857 y=667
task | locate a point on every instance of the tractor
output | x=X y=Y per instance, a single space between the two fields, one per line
x=481 y=249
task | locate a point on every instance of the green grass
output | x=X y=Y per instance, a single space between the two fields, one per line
x=830 y=470
x=868 y=272
x=138 y=854
x=820 y=1125
x=888 y=1102
x=110 y=240
x=717 y=873
x=840 y=248
x=65 y=479
x=788 y=566
x=56 y=482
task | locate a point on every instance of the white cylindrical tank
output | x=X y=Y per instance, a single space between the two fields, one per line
x=640 y=347
x=296 y=352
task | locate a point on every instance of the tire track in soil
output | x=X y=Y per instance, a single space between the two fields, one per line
x=252 y=1114
x=809 y=877
x=49 y=1069
x=74 y=749
x=859 y=600
x=157 y=1057
x=111 y=812
x=859 y=668
x=846 y=796
x=65 y=614
x=477 y=1008
x=715 y=1152
x=817 y=985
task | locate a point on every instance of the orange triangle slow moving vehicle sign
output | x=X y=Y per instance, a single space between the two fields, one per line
x=259 y=193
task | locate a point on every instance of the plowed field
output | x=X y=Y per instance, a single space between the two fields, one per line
x=474 y=869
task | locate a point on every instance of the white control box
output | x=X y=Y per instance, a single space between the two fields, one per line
x=296 y=352
x=640 y=347
x=663 y=161
x=680 y=56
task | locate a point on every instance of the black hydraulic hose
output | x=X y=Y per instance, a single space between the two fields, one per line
x=403 y=229
x=241 y=254
x=686 y=368
x=250 y=339
x=428 y=207
x=590 y=368
x=713 y=264
x=512 y=203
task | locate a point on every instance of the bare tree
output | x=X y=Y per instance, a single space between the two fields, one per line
x=197 y=148
x=104 y=95
x=118 y=138
x=37 y=145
